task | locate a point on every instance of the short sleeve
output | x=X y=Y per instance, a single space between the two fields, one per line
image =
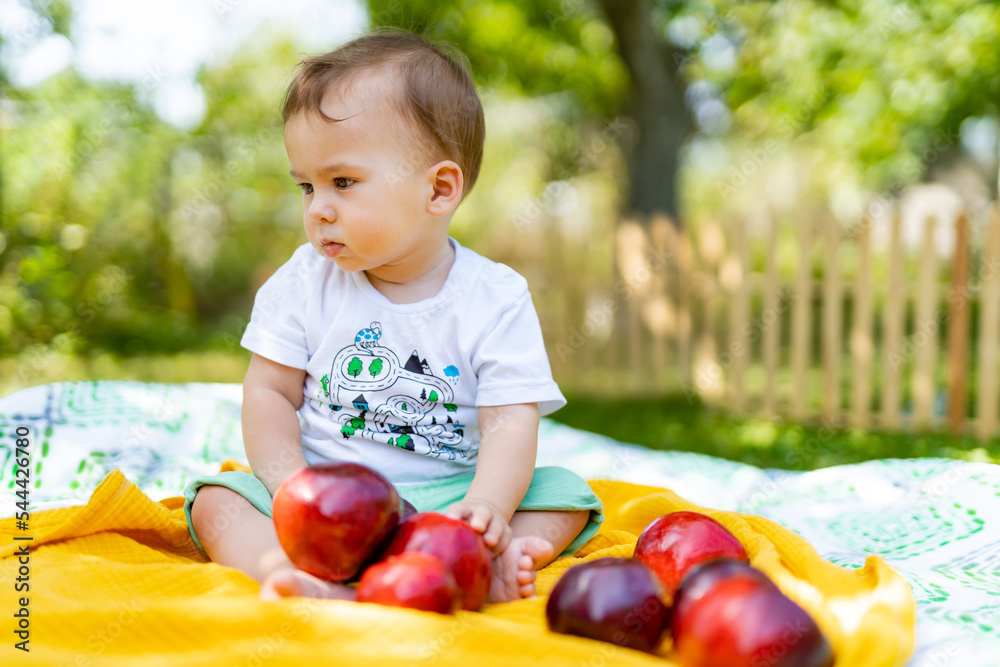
x=277 y=328
x=511 y=364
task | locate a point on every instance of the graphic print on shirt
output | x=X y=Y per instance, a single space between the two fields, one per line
x=371 y=394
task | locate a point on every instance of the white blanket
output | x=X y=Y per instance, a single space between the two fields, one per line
x=931 y=519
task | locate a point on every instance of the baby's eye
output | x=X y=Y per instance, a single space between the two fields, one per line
x=307 y=188
x=344 y=183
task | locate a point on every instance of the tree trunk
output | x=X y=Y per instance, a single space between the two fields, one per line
x=656 y=104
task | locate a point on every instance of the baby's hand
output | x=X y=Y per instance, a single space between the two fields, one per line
x=485 y=519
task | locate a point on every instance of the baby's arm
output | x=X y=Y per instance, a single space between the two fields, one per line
x=272 y=393
x=507 y=449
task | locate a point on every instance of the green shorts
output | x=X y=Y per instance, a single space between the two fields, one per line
x=552 y=488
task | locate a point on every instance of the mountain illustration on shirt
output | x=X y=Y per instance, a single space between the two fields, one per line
x=373 y=395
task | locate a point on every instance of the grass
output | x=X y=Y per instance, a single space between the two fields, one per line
x=673 y=422
x=670 y=422
x=43 y=367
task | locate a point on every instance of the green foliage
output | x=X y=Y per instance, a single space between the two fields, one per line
x=121 y=233
x=57 y=12
x=897 y=78
x=526 y=47
x=83 y=220
x=875 y=90
x=871 y=93
x=561 y=53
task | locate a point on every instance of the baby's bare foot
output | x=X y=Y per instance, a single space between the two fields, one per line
x=289 y=582
x=514 y=568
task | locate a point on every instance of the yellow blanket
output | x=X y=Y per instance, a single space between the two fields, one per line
x=119 y=582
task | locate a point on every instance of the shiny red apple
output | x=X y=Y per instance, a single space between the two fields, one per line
x=674 y=543
x=331 y=516
x=406 y=510
x=616 y=600
x=413 y=580
x=457 y=544
x=728 y=614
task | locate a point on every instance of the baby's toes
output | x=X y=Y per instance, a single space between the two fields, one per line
x=527 y=590
x=537 y=549
x=525 y=576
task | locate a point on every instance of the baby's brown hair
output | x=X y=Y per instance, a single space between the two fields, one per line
x=429 y=86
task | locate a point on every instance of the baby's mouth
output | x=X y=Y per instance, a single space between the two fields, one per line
x=332 y=249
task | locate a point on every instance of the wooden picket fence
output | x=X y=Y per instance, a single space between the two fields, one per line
x=802 y=318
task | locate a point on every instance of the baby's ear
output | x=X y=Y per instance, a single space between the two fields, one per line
x=447 y=183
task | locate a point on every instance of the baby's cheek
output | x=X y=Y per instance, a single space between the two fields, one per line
x=377 y=235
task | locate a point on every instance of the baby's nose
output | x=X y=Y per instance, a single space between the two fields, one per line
x=322 y=210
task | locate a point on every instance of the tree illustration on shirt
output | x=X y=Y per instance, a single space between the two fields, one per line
x=403 y=405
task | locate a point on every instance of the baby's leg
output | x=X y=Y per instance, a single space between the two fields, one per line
x=234 y=533
x=539 y=536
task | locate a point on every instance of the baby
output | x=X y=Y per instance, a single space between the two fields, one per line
x=384 y=342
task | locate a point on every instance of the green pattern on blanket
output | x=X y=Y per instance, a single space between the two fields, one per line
x=158 y=434
x=931 y=519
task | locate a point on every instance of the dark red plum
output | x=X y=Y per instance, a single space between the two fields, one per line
x=728 y=614
x=407 y=509
x=617 y=600
x=701 y=578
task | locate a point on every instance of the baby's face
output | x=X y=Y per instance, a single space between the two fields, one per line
x=364 y=192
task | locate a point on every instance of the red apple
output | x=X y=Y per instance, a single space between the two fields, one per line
x=454 y=542
x=676 y=542
x=406 y=510
x=616 y=600
x=413 y=580
x=728 y=614
x=330 y=517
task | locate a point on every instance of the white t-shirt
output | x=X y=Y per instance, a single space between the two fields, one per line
x=397 y=387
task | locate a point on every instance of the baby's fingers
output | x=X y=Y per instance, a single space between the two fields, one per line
x=475 y=515
x=498 y=536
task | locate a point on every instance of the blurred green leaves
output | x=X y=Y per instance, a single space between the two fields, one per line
x=527 y=48
x=121 y=233
x=871 y=85
x=869 y=94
